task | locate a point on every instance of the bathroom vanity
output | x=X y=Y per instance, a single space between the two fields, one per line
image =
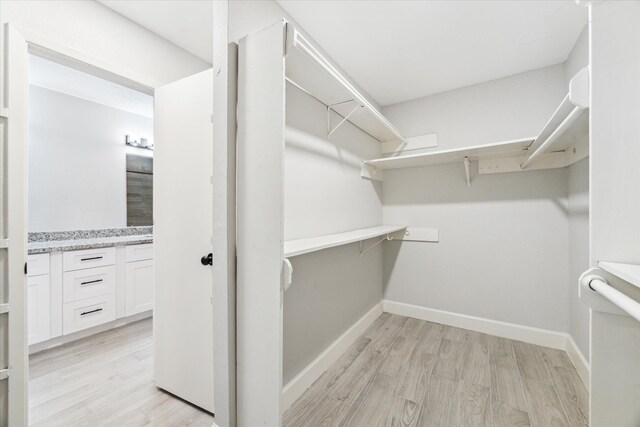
x=84 y=282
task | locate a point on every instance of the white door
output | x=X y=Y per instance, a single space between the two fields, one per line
x=183 y=315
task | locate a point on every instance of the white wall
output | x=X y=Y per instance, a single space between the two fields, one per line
x=578 y=187
x=77 y=163
x=510 y=108
x=324 y=194
x=503 y=252
x=95 y=30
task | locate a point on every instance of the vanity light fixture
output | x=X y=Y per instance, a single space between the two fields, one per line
x=143 y=143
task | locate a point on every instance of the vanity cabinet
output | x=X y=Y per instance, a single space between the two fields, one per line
x=74 y=290
x=139 y=279
x=38 y=299
x=89 y=288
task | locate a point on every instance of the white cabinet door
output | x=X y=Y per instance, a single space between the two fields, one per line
x=38 y=309
x=139 y=287
x=182 y=230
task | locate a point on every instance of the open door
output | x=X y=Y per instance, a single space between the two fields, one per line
x=183 y=312
x=13 y=253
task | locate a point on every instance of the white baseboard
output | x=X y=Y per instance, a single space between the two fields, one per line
x=543 y=337
x=65 y=339
x=294 y=388
x=579 y=361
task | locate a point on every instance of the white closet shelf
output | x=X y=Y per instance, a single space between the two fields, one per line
x=312 y=244
x=627 y=272
x=311 y=72
x=512 y=148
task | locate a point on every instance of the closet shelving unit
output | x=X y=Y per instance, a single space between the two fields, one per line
x=304 y=246
x=308 y=70
x=628 y=272
x=554 y=147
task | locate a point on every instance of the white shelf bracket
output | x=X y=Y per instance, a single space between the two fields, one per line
x=4 y=374
x=466 y=170
x=330 y=130
x=4 y=308
x=371 y=172
x=287 y=274
x=363 y=251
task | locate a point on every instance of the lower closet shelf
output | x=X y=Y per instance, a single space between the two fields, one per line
x=312 y=244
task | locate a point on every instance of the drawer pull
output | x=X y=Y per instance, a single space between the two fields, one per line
x=90 y=258
x=91 y=311
x=91 y=281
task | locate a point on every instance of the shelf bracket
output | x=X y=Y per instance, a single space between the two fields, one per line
x=344 y=119
x=368 y=171
x=4 y=374
x=287 y=274
x=363 y=251
x=4 y=308
x=466 y=170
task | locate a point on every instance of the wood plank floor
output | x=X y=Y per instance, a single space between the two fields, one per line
x=408 y=372
x=105 y=380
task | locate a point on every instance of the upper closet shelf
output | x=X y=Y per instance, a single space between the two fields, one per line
x=307 y=69
x=312 y=244
x=628 y=272
x=562 y=142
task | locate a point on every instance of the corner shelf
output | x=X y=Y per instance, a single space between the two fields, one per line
x=312 y=244
x=627 y=272
x=307 y=69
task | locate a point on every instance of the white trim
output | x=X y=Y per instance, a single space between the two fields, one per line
x=543 y=337
x=64 y=339
x=294 y=388
x=579 y=361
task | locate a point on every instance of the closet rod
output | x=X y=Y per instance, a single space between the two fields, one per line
x=628 y=305
x=566 y=123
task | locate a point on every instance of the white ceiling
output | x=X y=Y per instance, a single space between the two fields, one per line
x=57 y=77
x=398 y=50
x=186 y=23
x=402 y=50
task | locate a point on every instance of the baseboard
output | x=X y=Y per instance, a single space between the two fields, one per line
x=543 y=337
x=294 y=388
x=65 y=339
x=579 y=361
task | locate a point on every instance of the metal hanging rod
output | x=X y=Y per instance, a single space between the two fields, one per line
x=388 y=237
x=288 y=80
x=628 y=305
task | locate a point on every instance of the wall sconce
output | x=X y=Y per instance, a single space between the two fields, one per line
x=143 y=143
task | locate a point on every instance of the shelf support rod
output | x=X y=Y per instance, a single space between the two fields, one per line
x=363 y=251
x=466 y=170
x=344 y=119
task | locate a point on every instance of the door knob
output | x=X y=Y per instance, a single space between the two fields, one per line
x=207 y=259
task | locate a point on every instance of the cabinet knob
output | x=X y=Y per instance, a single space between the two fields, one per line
x=207 y=259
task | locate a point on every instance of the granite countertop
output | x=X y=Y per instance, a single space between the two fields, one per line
x=43 y=242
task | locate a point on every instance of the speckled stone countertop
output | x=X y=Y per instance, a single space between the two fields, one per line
x=43 y=242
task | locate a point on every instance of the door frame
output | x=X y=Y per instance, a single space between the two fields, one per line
x=18 y=44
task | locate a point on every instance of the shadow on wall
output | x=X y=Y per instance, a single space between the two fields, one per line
x=445 y=184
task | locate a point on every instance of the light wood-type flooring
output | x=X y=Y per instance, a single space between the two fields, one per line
x=408 y=372
x=105 y=380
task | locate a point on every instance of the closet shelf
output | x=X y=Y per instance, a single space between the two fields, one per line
x=512 y=148
x=627 y=272
x=312 y=244
x=307 y=69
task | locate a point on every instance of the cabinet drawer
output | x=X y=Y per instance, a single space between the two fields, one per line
x=87 y=258
x=37 y=264
x=139 y=252
x=87 y=313
x=87 y=283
